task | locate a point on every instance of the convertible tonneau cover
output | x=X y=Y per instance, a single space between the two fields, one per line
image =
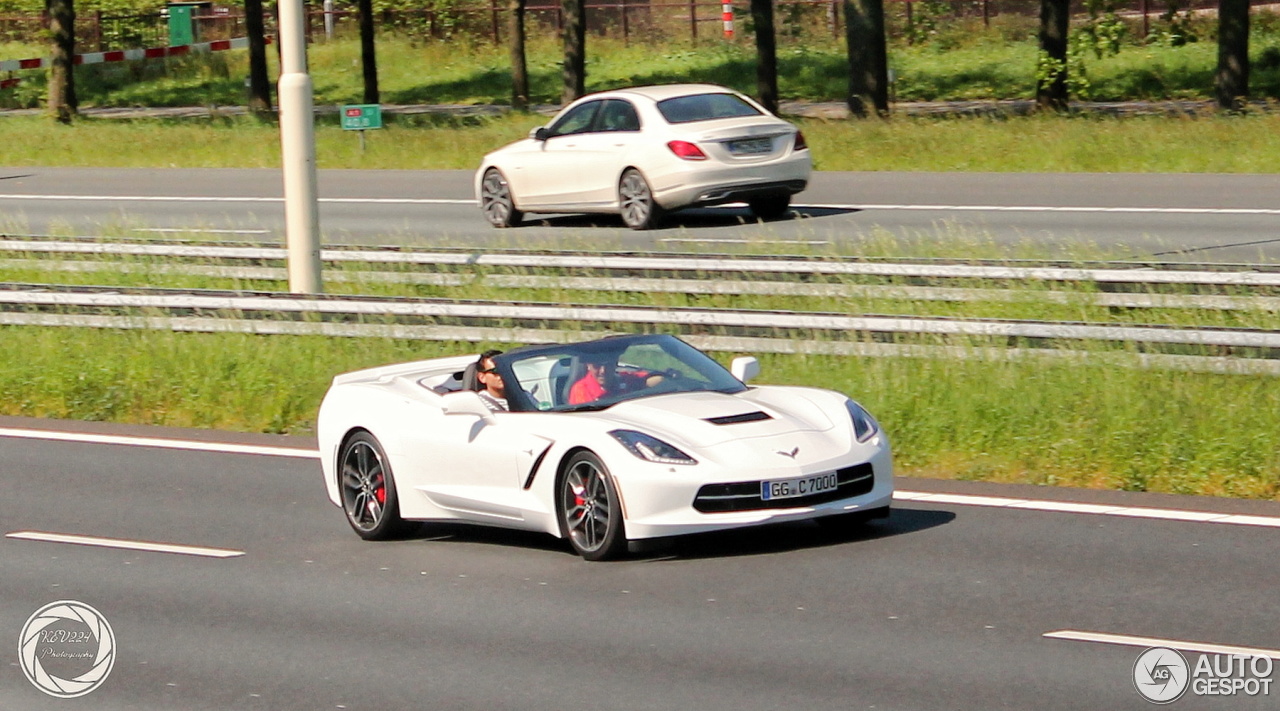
x=388 y=372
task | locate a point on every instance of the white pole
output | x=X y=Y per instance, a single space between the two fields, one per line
x=298 y=151
x=328 y=20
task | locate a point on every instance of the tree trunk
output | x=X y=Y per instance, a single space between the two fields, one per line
x=259 y=82
x=575 y=49
x=62 y=78
x=1051 y=89
x=519 y=67
x=766 y=54
x=368 y=55
x=868 y=59
x=1231 y=83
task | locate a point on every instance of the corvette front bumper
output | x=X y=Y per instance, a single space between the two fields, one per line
x=669 y=505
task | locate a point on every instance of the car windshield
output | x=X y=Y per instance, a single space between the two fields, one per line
x=705 y=107
x=599 y=374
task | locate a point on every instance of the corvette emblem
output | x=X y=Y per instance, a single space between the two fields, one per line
x=791 y=454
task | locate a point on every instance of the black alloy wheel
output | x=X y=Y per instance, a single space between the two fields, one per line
x=368 y=489
x=590 y=514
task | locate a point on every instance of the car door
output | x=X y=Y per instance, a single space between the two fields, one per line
x=478 y=468
x=609 y=147
x=555 y=170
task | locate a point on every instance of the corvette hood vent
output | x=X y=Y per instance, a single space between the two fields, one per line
x=699 y=418
x=737 y=419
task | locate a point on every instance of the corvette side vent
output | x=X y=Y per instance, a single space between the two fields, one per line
x=738 y=419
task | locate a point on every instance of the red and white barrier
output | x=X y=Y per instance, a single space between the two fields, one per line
x=125 y=55
x=726 y=14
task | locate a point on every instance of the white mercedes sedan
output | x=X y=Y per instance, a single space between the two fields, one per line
x=646 y=151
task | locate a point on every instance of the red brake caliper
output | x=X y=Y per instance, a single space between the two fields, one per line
x=380 y=493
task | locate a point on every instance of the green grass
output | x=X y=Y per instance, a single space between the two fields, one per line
x=1248 y=144
x=1064 y=424
x=968 y=63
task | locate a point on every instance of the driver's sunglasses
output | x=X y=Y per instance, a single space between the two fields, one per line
x=487 y=370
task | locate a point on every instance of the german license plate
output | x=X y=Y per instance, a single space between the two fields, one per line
x=803 y=486
x=751 y=146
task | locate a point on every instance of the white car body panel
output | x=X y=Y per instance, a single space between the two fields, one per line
x=502 y=470
x=580 y=172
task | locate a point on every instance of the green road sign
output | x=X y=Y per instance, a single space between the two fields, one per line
x=361 y=117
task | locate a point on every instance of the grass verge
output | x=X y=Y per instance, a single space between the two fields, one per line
x=1245 y=144
x=1056 y=424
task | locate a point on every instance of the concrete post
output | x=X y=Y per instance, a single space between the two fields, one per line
x=298 y=151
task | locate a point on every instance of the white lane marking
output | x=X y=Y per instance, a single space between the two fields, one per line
x=1130 y=641
x=162 y=443
x=123 y=543
x=900 y=495
x=747 y=241
x=819 y=206
x=202 y=198
x=1099 y=509
x=200 y=230
x=1049 y=208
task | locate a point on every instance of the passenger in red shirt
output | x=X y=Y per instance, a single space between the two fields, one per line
x=590 y=387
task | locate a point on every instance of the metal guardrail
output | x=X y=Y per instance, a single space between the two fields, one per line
x=737 y=275
x=444 y=319
x=673 y=285
x=1223 y=350
x=1121 y=273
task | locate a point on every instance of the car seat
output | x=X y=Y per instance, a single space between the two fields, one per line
x=470 y=380
x=576 y=369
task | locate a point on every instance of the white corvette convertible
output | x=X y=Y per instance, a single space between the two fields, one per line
x=646 y=151
x=618 y=439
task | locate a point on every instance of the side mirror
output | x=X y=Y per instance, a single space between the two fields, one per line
x=744 y=368
x=540 y=133
x=468 y=402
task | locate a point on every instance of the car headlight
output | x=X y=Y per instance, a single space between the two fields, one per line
x=864 y=425
x=651 y=449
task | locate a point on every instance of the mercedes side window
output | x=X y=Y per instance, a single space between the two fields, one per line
x=618 y=115
x=578 y=120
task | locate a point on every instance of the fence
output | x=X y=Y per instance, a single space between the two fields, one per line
x=703 y=19
x=625 y=19
x=98 y=32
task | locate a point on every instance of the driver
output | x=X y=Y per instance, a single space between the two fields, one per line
x=493 y=391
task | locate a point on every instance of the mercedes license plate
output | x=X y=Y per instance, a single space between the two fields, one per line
x=751 y=146
x=803 y=486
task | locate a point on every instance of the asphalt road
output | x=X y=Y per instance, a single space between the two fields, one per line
x=1192 y=217
x=940 y=607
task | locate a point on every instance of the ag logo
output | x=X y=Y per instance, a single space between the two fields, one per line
x=67 y=649
x=1161 y=675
